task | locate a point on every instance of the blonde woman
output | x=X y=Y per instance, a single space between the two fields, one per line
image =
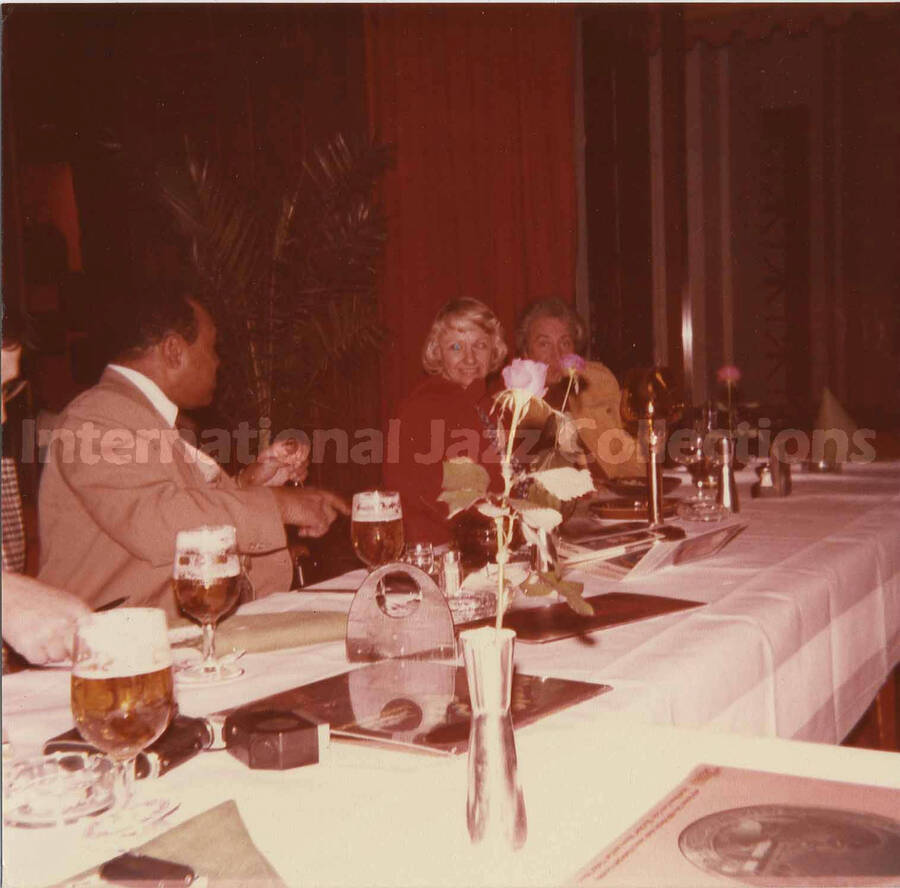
x=446 y=415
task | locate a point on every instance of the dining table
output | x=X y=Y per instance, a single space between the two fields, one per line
x=796 y=628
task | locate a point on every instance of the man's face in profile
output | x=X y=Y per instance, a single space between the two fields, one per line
x=197 y=381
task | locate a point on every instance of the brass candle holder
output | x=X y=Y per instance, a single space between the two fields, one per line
x=650 y=395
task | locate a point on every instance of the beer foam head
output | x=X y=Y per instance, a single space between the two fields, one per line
x=206 y=553
x=207 y=539
x=126 y=641
x=377 y=505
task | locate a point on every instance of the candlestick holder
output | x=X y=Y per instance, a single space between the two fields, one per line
x=650 y=397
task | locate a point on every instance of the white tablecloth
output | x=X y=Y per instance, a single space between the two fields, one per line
x=801 y=628
x=370 y=817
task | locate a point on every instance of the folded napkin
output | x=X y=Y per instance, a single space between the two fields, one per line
x=256 y=633
x=832 y=418
x=214 y=844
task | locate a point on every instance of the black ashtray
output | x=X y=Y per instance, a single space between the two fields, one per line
x=274 y=739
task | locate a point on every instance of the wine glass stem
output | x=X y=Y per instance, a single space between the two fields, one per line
x=209 y=647
x=123 y=782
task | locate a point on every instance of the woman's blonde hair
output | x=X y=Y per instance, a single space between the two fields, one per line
x=459 y=313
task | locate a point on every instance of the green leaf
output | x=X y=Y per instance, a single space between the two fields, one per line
x=544 y=583
x=463 y=474
x=540 y=496
x=489 y=510
x=572 y=592
x=536 y=586
x=536 y=516
x=460 y=500
x=565 y=483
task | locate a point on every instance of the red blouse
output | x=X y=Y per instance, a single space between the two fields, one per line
x=439 y=420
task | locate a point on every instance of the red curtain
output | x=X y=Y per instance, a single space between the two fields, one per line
x=478 y=103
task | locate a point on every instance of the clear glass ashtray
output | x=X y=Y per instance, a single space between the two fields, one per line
x=56 y=789
x=702 y=509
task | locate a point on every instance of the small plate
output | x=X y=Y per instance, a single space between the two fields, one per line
x=636 y=488
x=56 y=789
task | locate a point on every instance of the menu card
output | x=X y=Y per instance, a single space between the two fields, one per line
x=420 y=704
x=731 y=826
x=632 y=554
x=552 y=622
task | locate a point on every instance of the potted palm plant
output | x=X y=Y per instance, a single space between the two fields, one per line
x=291 y=266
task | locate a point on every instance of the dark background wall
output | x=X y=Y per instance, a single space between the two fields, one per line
x=114 y=90
x=109 y=90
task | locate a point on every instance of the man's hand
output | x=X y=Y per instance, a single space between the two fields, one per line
x=38 y=620
x=279 y=463
x=311 y=511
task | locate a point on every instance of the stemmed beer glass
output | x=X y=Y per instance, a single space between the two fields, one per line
x=123 y=699
x=206 y=579
x=376 y=527
x=376 y=530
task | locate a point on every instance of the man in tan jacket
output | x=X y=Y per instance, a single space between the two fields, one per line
x=120 y=481
x=549 y=331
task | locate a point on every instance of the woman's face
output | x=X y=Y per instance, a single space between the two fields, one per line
x=466 y=354
x=548 y=340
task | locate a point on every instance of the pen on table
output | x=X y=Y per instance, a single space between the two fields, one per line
x=110 y=605
x=625 y=548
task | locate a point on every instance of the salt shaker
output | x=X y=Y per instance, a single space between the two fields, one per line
x=450 y=573
x=727 y=494
x=766 y=484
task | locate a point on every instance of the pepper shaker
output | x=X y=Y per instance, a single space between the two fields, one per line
x=727 y=494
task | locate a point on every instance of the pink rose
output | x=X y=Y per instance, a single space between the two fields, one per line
x=572 y=363
x=728 y=374
x=527 y=376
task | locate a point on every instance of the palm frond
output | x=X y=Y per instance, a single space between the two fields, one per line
x=292 y=269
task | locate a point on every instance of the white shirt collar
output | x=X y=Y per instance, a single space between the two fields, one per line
x=166 y=409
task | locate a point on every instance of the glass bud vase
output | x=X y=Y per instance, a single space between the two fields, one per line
x=495 y=806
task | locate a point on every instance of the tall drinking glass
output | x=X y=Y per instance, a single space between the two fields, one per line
x=420 y=555
x=206 y=579
x=694 y=453
x=123 y=699
x=376 y=527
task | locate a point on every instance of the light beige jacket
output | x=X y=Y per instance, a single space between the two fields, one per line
x=119 y=485
x=596 y=411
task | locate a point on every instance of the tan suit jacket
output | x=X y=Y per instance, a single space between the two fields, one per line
x=596 y=411
x=119 y=485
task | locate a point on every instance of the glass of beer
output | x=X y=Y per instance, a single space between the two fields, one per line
x=207 y=583
x=123 y=699
x=376 y=527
